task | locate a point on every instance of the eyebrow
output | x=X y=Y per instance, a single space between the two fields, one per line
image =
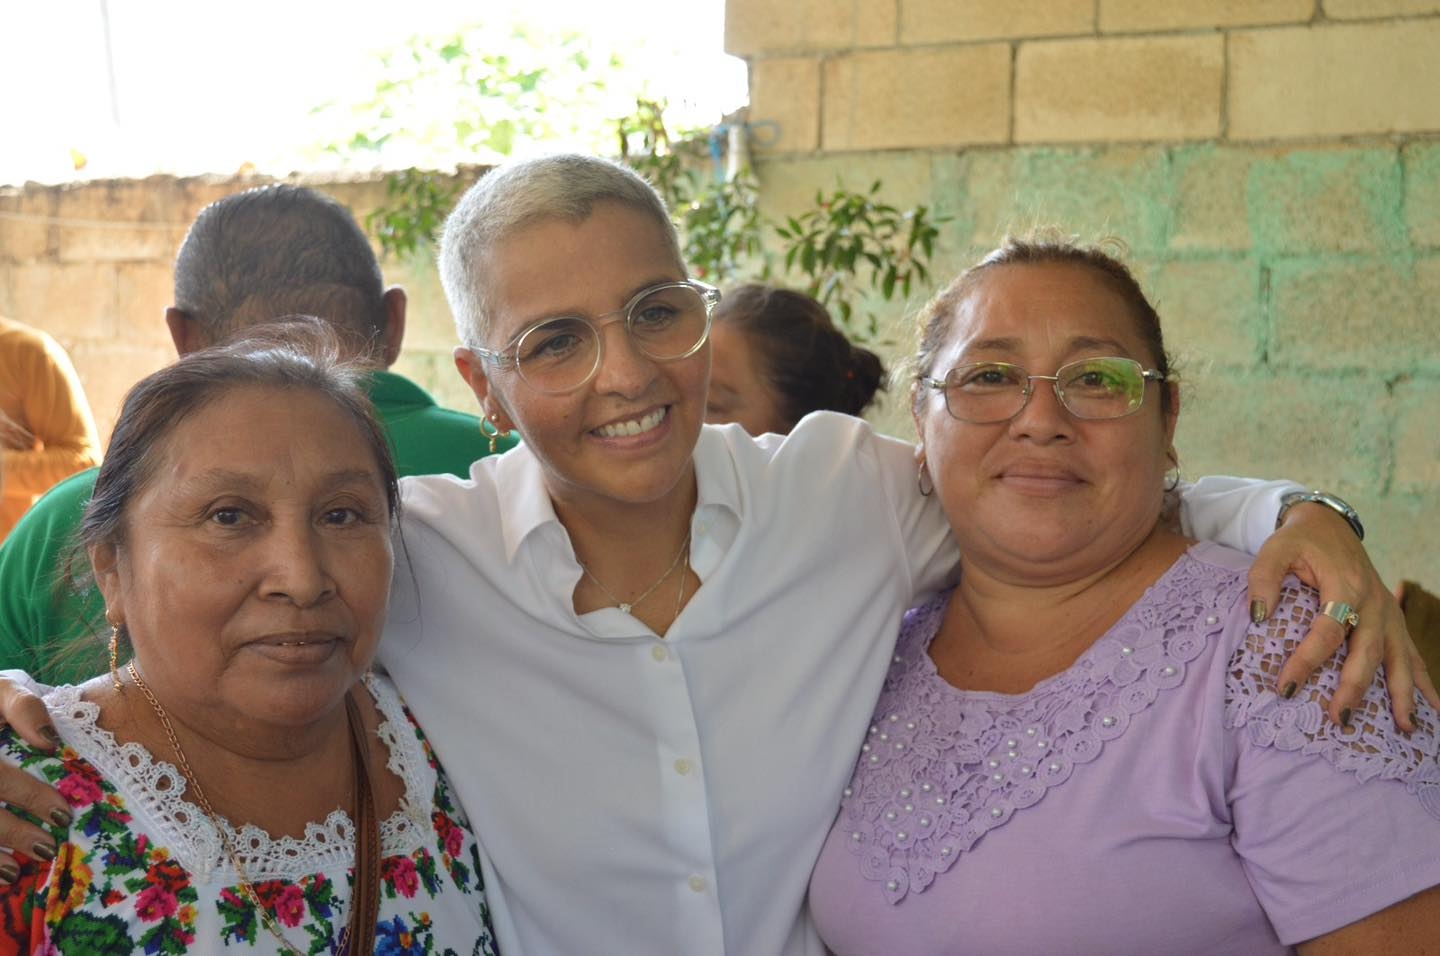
x=1078 y=344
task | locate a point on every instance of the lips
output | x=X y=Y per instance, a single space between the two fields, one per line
x=298 y=648
x=634 y=426
x=1040 y=477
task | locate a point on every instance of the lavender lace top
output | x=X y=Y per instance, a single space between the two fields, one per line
x=1157 y=796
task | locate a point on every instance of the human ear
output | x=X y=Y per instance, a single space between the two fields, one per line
x=394 y=325
x=472 y=369
x=105 y=565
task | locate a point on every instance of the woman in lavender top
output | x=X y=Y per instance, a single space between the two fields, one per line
x=1080 y=748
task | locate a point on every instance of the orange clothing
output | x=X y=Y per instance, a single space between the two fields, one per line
x=46 y=430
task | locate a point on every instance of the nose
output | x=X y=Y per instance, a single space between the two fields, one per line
x=295 y=565
x=624 y=369
x=1043 y=419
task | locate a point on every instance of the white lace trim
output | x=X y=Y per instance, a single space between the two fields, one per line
x=158 y=788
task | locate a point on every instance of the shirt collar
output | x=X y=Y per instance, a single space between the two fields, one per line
x=525 y=505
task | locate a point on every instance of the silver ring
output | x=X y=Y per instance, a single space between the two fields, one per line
x=1342 y=613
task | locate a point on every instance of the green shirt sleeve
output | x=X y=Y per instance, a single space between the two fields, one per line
x=46 y=627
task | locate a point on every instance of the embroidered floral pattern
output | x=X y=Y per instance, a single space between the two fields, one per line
x=1372 y=748
x=144 y=872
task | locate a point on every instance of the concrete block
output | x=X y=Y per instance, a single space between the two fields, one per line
x=71 y=301
x=1374 y=9
x=763 y=26
x=143 y=290
x=786 y=91
x=27 y=232
x=1210 y=198
x=1420 y=162
x=952 y=21
x=1417 y=439
x=1399 y=534
x=1375 y=315
x=1270 y=425
x=118 y=220
x=1133 y=16
x=1119 y=88
x=898 y=99
x=1334 y=80
x=1095 y=192
x=1209 y=311
x=1345 y=199
x=108 y=369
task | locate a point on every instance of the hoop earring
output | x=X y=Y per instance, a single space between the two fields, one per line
x=115 y=651
x=923 y=481
x=1173 y=481
x=492 y=431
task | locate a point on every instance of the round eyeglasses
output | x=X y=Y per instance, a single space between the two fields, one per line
x=665 y=322
x=988 y=392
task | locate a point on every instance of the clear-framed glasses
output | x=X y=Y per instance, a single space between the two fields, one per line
x=666 y=322
x=1095 y=388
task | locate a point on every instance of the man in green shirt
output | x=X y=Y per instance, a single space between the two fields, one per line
x=247 y=259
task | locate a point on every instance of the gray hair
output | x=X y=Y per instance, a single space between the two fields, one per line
x=280 y=250
x=520 y=194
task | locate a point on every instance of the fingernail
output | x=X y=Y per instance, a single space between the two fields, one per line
x=61 y=818
x=51 y=734
x=44 y=851
x=1257 y=611
x=1289 y=690
x=8 y=873
x=1345 y=720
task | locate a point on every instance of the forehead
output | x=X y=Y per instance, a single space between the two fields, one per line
x=587 y=266
x=1041 y=306
x=264 y=433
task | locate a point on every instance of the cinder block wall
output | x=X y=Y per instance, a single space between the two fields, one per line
x=1273 y=165
x=92 y=264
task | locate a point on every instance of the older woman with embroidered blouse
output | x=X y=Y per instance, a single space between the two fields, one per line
x=1081 y=748
x=240 y=782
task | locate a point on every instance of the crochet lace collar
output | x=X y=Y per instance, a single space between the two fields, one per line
x=155 y=791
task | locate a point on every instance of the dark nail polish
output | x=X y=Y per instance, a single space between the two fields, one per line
x=1257 y=611
x=61 y=818
x=43 y=851
x=1289 y=690
x=51 y=734
x=1345 y=720
x=8 y=874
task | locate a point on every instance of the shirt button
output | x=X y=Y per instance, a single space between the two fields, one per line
x=698 y=883
x=659 y=653
x=682 y=766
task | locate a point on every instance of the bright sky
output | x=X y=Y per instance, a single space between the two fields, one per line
x=195 y=86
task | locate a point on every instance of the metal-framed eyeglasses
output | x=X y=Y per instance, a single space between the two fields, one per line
x=665 y=322
x=984 y=393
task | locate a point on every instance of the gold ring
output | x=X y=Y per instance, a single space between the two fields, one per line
x=1342 y=613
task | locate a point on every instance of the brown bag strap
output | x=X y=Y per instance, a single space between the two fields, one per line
x=365 y=900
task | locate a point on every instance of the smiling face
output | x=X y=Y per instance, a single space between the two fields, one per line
x=626 y=436
x=254 y=568
x=1046 y=496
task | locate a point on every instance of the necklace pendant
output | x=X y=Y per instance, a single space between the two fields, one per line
x=625 y=608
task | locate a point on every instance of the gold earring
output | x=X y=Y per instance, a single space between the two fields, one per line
x=114 y=651
x=493 y=432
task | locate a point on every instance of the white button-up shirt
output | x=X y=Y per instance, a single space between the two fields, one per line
x=635 y=795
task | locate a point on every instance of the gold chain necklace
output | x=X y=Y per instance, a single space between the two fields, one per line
x=625 y=606
x=245 y=885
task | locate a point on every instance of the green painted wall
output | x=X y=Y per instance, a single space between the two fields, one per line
x=1299 y=289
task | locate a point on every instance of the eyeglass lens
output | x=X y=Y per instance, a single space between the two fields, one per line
x=665 y=324
x=1092 y=388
